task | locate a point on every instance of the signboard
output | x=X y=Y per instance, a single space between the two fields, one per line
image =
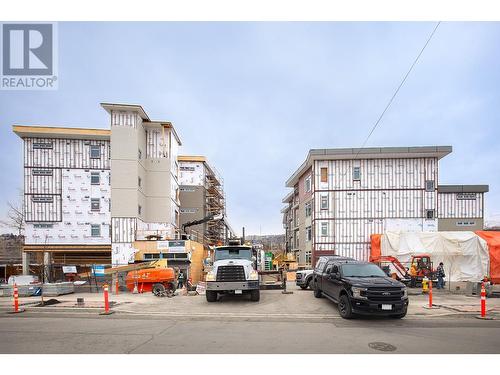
x=176 y=246
x=172 y=247
x=69 y=269
x=98 y=270
x=201 y=287
x=162 y=245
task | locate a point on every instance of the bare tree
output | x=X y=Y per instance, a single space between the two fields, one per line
x=15 y=216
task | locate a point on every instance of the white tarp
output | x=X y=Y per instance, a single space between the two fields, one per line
x=464 y=254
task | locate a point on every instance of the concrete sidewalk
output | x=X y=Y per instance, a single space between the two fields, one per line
x=273 y=305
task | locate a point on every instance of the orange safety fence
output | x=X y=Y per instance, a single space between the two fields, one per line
x=375 y=250
x=493 y=240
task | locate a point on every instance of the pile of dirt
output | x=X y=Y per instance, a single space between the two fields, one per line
x=49 y=302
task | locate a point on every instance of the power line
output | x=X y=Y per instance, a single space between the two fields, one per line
x=397 y=90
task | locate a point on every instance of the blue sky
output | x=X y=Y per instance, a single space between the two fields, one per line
x=255 y=97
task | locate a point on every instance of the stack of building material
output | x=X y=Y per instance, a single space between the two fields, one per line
x=57 y=289
x=7 y=290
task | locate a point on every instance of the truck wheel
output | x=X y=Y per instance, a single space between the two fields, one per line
x=255 y=295
x=211 y=296
x=344 y=306
x=303 y=287
x=309 y=284
x=400 y=316
x=158 y=290
x=317 y=292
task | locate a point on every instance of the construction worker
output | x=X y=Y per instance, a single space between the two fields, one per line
x=440 y=275
x=180 y=280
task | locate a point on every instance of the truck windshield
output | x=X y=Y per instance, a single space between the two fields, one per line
x=233 y=253
x=362 y=270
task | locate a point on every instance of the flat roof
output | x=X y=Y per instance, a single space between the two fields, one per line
x=36 y=131
x=200 y=159
x=108 y=107
x=192 y=158
x=368 y=153
x=126 y=107
x=288 y=197
x=463 y=188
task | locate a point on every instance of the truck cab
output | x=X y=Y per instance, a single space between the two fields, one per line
x=233 y=272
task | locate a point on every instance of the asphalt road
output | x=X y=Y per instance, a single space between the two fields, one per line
x=88 y=333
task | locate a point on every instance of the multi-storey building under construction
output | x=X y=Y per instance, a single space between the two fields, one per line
x=339 y=197
x=92 y=195
x=202 y=196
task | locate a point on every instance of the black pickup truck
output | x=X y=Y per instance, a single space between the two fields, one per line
x=359 y=288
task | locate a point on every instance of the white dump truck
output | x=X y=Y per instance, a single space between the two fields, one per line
x=233 y=272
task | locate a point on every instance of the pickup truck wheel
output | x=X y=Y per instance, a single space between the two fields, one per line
x=255 y=295
x=400 y=316
x=317 y=292
x=211 y=296
x=344 y=306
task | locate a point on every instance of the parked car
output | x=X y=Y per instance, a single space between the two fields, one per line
x=359 y=288
x=303 y=278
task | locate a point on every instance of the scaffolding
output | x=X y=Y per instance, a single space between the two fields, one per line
x=215 y=205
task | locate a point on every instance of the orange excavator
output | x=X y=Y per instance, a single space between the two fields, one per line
x=420 y=267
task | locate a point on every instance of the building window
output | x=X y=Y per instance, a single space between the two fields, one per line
x=42 y=146
x=324 y=174
x=429 y=185
x=42 y=172
x=308 y=209
x=308 y=257
x=139 y=209
x=324 y=229
x=95 y=204
x=429 y=214
x=43 y=226
x=356 y=173
x=139 y=181
x=466 y=223
x=95 y=178
x=95 y=152
x=308 y=234
x=95 y=230
x=324 y=202
x=308 y=184
x=139 y=154
x=42 y=199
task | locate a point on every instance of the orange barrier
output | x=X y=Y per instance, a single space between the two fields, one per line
x=16 y=299
x=106 y=301
x=375 y=249
x=483 y=301
x=430 y=294
x=106 y=298
x=492 y=238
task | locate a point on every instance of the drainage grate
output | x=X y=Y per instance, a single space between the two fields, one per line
x=382 y=346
